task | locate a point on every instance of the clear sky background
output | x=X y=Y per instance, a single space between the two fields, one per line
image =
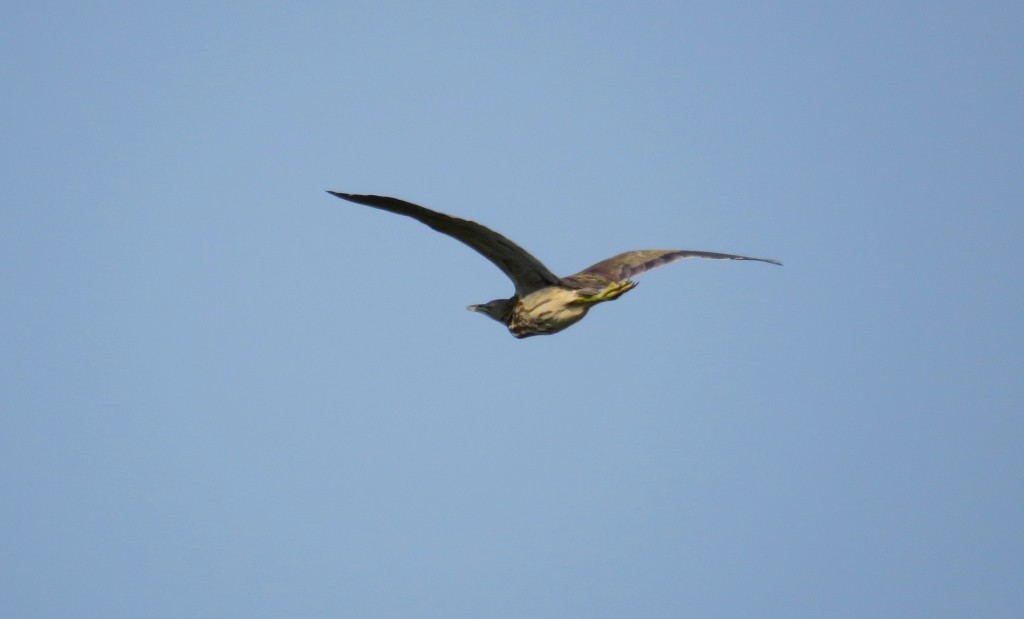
x=226 y=393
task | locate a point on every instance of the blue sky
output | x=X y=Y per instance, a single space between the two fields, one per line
x=226 y=393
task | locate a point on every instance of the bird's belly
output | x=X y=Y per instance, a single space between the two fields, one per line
x=546 y=311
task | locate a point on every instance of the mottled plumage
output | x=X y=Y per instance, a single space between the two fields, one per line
x=543 y=303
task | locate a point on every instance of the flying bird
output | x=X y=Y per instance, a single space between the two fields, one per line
x=543 y=303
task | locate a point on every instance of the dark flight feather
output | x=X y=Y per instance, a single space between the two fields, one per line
x=526 y=272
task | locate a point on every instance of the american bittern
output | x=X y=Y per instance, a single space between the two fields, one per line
x=543 y=303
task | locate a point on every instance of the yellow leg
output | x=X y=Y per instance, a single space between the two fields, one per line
x=610 y=292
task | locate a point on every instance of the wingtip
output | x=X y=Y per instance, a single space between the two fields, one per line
x=768 y=260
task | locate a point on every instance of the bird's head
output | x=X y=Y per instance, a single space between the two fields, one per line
x=498 y=309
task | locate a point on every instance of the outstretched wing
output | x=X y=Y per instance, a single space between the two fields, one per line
x=525 y=271
x=625 y=265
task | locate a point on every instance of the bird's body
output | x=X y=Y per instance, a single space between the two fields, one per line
x=548 y=310
x=551 y=309
x=543 y=303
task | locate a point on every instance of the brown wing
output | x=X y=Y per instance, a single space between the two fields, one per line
x=630 y=263
x=525 y=271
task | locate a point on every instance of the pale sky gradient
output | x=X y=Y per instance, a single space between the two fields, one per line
x=226 y=393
